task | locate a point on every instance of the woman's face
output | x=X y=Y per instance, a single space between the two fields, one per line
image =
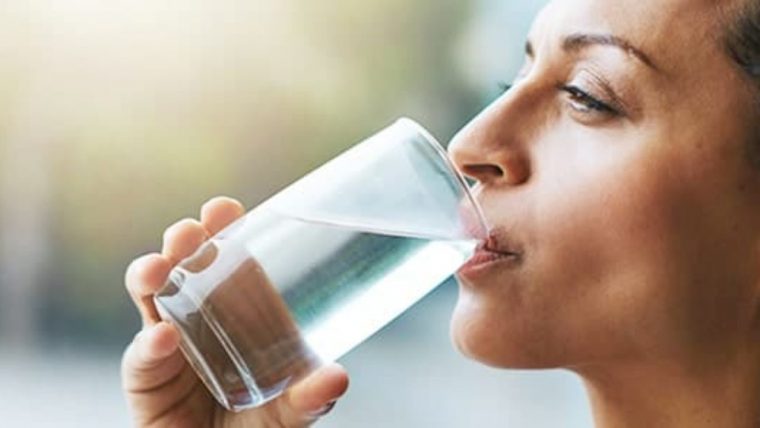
x=616 y=169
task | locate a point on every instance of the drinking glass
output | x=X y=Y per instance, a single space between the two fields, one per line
x=315 y=270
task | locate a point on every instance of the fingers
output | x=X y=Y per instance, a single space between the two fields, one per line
x=314 y=396
x=324 y=386
x=218 y=212
x=182 y=239
x=148 y=273
x=143 y=278
x=152 y=359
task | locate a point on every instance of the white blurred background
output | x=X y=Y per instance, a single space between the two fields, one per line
x=119 y=117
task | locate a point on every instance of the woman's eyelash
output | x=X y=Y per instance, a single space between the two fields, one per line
x=577 y=95
x=580 y=96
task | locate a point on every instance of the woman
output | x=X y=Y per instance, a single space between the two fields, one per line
x=622 y=175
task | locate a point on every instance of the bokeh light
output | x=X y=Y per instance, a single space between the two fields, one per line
x=118 y=118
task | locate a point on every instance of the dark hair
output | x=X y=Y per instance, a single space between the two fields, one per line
x=743 y=45
x=743 y=38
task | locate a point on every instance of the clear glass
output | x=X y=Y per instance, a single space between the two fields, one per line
x=312 y=272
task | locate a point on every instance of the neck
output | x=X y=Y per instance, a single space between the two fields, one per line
x=691 y=394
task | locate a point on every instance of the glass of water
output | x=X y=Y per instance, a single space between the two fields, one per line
x=312 y=272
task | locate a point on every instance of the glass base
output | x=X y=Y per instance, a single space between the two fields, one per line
x=208 y=352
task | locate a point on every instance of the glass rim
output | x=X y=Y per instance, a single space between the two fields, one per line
x=443 y=154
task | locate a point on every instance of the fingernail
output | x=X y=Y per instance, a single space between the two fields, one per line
x=324 y=409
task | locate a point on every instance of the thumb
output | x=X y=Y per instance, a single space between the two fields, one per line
x=313 y=397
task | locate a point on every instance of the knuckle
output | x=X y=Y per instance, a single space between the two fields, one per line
x=183 y=233
x=221 y=199
x=132 y=272
x=211 y=202
x=133 y=277
x=177 y=227
x=222 y=202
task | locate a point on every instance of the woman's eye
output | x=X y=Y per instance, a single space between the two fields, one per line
x=583 y=102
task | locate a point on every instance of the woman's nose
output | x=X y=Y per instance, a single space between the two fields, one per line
x=487 y=151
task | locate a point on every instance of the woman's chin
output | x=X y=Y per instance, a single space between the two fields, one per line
x=488 y=339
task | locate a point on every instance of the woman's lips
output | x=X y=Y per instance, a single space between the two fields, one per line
x=490 y=254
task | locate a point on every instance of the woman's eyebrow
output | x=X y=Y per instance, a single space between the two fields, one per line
x=578 y=41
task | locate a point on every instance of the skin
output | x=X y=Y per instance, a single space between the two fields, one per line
x=638 y=230
x=161 y=388
x=635 y=219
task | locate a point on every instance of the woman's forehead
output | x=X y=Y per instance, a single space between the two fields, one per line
x=647 y=19
x=676 y=33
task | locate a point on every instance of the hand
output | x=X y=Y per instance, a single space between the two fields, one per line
x=161 y=388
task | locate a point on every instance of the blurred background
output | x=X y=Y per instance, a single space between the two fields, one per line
x=120 y=117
